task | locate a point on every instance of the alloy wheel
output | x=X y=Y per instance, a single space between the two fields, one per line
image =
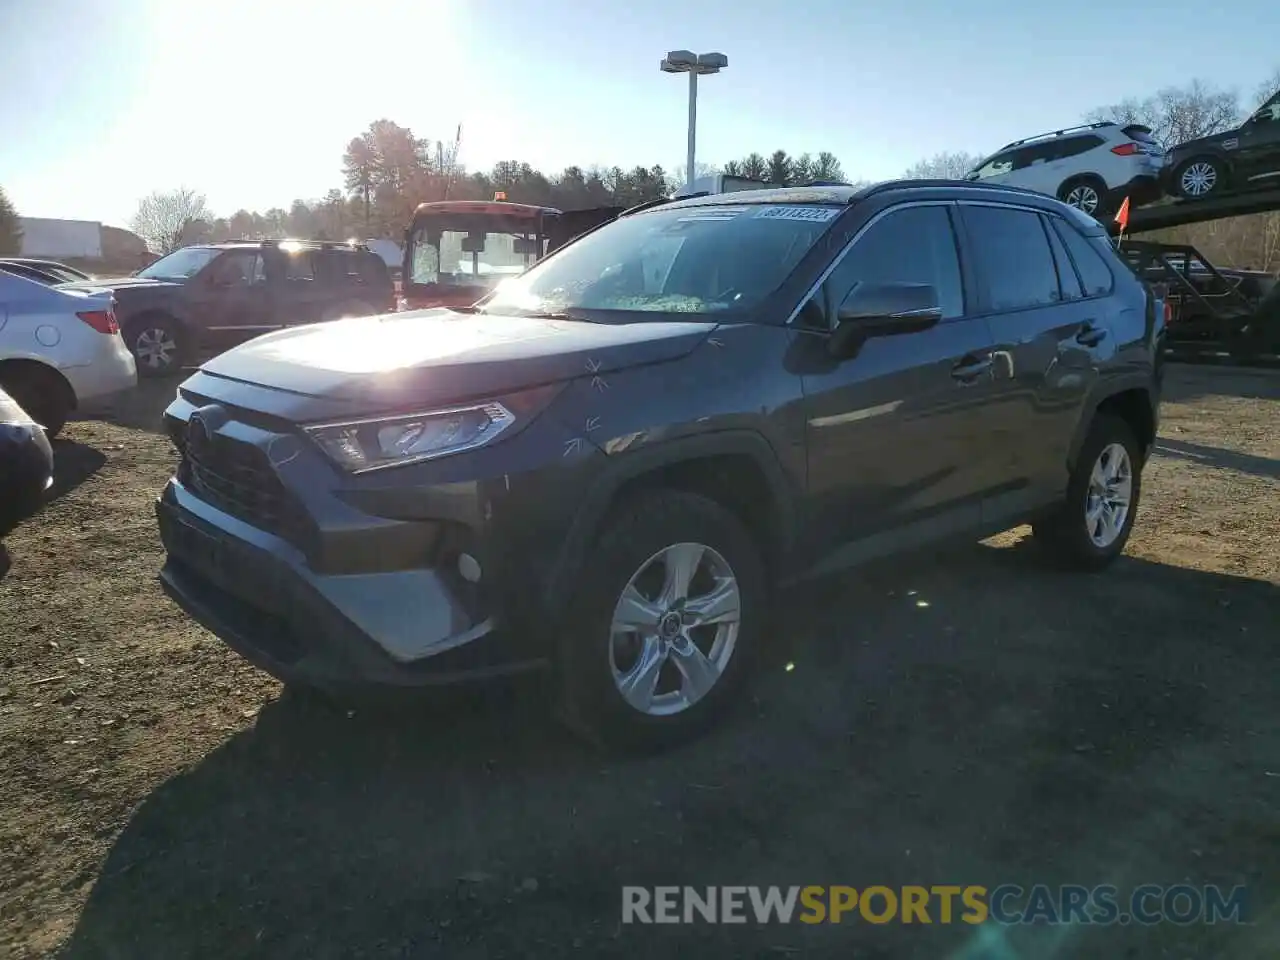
x=155 y=348
x=674 y=629
x=1198 y=179
x=1109 y=496
x=1084 y=197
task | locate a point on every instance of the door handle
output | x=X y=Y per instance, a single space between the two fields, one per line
x=969 y=369
x=1090 y=336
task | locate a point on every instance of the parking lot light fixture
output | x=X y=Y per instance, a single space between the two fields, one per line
x=695 y=65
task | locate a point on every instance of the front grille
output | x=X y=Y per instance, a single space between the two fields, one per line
x=236 y=478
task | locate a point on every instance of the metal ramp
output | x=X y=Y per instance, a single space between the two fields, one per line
x=1178 y=213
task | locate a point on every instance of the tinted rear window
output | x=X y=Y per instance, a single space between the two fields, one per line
x=1139 y=133
x=1090 y=256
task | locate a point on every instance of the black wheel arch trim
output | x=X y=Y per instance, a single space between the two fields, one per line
x=632 y=465
x=1112 y=389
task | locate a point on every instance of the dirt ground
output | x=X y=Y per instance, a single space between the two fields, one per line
x=969 y=717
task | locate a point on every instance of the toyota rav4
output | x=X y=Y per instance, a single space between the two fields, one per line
x=606 y=465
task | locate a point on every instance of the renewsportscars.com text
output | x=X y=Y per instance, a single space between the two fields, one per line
x=940 y=903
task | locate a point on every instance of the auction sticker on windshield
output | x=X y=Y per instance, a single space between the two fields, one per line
x=813 y=214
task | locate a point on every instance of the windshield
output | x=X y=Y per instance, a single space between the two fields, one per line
x=179 y=265
x=471 y=258
x=706 y=259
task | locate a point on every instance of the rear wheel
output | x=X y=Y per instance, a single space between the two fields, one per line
x=1092 y=525
x=1200 y=177
x=1088 y=194
x=660 y=635
x=41 y=392
x=158 y=345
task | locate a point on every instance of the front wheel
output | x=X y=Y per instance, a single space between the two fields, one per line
x=1200 y=177
x=660 y=635
x=1091 y=527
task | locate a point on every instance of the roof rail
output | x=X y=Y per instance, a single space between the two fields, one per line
x=322 y=244
x=1057 y=133
x=648 y=204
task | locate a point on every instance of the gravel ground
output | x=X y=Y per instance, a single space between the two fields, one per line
x=972 y=717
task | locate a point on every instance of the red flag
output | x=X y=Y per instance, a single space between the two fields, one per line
x=1122 y=215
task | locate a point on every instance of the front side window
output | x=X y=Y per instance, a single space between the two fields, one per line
x=181 y=264
x=1269 y=112
x=913 y=245
x=237 y=268
x=1013 y=254
x=700 y=260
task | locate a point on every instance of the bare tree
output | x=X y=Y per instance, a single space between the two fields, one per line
x=943 y=166
x=1177 y=114
x=166 y=219
x=1267 y=89
x=10 y=227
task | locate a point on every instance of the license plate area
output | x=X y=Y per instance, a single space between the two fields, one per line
x=236 y=568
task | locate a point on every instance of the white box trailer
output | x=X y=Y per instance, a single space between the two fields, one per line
x=722 y=183
x=58 y=239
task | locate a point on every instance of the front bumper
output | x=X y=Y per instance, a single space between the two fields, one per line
x=256 y=592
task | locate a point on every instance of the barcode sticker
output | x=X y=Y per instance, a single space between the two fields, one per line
x=812 y=214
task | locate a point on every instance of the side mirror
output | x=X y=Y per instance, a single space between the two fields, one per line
x=884 y=310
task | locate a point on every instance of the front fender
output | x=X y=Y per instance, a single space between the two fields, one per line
x=649 y=459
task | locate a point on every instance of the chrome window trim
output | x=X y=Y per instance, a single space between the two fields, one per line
x=839 y=259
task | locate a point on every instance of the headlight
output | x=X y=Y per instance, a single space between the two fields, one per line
x=363 y=445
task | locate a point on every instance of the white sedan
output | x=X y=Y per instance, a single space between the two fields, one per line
x=59 y=349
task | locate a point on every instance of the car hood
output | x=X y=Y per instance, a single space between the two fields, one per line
x=1214 y=141
x=442 y=356
x=116 y=284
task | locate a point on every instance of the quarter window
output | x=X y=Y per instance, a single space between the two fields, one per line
x=1067 y=279
x=912 y=245
x=1013 y=256
x=1095 y=275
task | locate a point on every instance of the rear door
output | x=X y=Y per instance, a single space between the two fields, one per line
x=895 y=433
x=301 y=296
x=1047 y=336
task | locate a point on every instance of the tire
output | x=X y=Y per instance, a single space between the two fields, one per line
x=1068 y=533
x=1200 y=178
x=158 y=344
x=1088 y=194
x=633 y=548
x=41 y=392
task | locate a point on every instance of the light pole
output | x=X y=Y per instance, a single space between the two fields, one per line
x=685 y=61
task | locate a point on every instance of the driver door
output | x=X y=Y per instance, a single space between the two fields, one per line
x=1258 y=156
x=896 y=434
x=230 y=301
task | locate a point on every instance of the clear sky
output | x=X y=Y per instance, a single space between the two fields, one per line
x=252 y=101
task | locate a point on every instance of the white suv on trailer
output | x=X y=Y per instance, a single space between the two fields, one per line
x=1092 y=167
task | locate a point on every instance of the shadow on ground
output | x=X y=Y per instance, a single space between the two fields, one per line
x=140 y=408
x=1268 y=467
x=982 y=719
x=1191 y=381
x=73 y=464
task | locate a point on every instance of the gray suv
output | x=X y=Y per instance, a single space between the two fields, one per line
x=605 y=466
